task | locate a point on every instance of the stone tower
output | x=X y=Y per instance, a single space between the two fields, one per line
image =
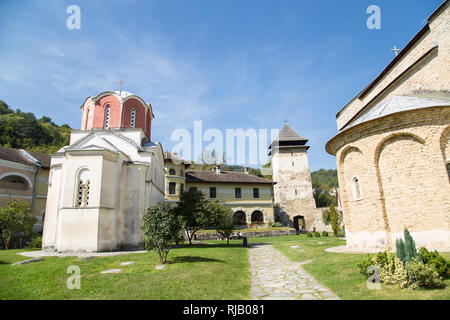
x=293 y=191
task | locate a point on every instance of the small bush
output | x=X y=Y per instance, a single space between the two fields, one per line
x=324 y=233
x=316 y=234
x=394 y=273
x=309 y=235
x=35 y=243
x=277 y=225
x=364 y=265
x=433 y=258
x=422 y=275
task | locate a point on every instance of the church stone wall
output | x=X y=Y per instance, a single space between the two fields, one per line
x=433 y=76
x=401 y=164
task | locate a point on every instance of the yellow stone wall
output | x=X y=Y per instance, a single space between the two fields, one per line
x=400 y=161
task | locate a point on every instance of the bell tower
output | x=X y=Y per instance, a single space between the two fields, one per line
x=293 y=190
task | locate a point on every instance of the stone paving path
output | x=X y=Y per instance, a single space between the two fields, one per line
x=274 y=277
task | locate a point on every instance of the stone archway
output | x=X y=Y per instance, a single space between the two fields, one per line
x=257 y=217
x=299 y=223
x=240 y=218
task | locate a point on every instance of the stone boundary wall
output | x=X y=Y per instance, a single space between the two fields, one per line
x=252 y=234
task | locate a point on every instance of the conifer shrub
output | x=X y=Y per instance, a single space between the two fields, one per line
x=406 y=250
x=316 y=234
x=309 y=235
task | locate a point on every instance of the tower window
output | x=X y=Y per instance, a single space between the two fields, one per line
x=256 y=193
x=212 y=192
x=107 y=116
x=172 y=186
x=83 y=189
x=133 y=118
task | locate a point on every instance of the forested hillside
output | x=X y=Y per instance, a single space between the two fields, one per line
x=22 y=130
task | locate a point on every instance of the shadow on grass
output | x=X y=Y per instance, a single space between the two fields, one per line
x=213 y=245
x=191 y=259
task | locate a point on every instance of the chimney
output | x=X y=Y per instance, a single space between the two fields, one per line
x=217 y=168
x=245 y=169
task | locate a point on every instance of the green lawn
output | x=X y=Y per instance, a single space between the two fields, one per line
x=199 y=272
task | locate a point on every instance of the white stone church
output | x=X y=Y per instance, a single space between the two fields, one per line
x=102 y=183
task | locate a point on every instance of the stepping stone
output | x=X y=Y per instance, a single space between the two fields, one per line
x=308 y=296
x=112 y=271
x=160 y=267
x=295 y=247
x=126 y=263
x=27 y=261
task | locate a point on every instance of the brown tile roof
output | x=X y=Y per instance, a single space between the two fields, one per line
x=16 y=155
x=224 y=177
x=169 y=156
x=289 y=134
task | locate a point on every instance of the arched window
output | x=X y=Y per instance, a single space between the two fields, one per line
x=14 y=182
x=83 y=188
x=133 y=118
x=448 y=170
x=357 y=194
x=107 y=116
x=172 y=172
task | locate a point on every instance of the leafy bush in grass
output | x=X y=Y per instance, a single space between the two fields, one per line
x=316 y=234
x=394 y=272
x=422 y=275
x=277 y=225
x=309 y=235
x=35 y=243
x=324 y=233
x=433 y=258
x=380 y=260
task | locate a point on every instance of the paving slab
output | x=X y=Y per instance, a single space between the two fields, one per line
x=274 y=277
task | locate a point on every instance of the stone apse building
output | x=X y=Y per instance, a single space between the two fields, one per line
x=393 y=147
x=101 y=185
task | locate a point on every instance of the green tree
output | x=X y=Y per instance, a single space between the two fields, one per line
x=191 y=208
x=162 y=229
x=15 y=220
x=335 y=220
x=222 y=217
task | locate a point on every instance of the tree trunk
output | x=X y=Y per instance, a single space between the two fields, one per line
x=228 y=241
x=6 y=241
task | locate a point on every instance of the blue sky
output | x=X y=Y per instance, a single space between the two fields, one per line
x=232 y=64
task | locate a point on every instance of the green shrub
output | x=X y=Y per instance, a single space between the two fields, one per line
x=35 y=243
x=324 y=233
x=406 y=250
x=394 y=272
x=422 y=275
x=364 y=265
x=309 y=235
x=277 y=225
x=380 y=260
x=433 y=258
x=316 y=234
